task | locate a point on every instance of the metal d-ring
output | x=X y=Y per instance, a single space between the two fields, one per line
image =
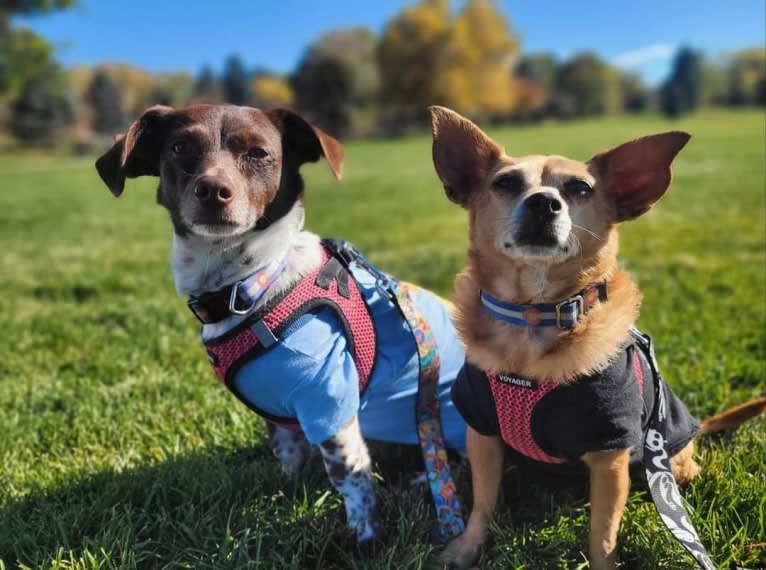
x=233 y=301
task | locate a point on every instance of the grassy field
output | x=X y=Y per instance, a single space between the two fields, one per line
x=120 y=449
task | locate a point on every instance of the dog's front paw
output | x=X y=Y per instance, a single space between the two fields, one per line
x=463 y=552
x=366 y=529
x=369 y=539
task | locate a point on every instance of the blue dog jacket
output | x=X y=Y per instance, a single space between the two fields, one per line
x=310 y=373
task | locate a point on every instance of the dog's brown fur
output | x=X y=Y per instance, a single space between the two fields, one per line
x=493 y=345
x=622 y=183
x=212 y=145
x=587 y=348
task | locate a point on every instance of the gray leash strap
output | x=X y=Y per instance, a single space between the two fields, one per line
x=662 y=485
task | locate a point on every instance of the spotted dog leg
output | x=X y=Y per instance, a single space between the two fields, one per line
x=289 y=447
x=347 y=462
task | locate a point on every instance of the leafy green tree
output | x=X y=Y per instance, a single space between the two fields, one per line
x=350 y=89
x=177 y=87
x=323 y=90
x=586 y=85
x=746 y=76
x=714 y=88
x=23 y=55
x=355 y=49
x=33 y=93
x=40 y=111
x=106 y=103
x=235 y=83
x=134 y=84
x=9 y=8
x=636 y=96
x=409 y=54
x=534 y=77
x=538 y=67
x=682 y=91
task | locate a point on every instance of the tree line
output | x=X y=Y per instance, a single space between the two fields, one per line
x=354 y=83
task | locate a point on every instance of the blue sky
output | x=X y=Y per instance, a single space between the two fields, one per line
x=165 y=35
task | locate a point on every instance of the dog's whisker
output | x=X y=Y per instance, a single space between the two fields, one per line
x=578 y=245
x=586 y=230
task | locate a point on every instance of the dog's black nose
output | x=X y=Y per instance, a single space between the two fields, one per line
x=213 y=192
x=544 y=206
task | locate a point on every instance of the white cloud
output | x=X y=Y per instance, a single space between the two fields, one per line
x=644 y=55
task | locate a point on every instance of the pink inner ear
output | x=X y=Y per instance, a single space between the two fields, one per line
x=628 y=183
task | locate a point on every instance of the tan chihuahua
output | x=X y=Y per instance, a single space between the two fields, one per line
x=555 y=373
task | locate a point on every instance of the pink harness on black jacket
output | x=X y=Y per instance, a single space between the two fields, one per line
x=515 y=403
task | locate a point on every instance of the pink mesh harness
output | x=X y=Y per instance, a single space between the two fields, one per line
x=515 y=405
x=329 y=285
x=515 y=400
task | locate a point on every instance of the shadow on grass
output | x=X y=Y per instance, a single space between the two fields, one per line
x=211 y=509
x=192 y=509
x=214 y=510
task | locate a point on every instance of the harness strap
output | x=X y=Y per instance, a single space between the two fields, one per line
x=328 y=285
x=662 y=485
x=433 y=448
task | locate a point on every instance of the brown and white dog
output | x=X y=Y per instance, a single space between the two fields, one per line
x=222 y=169
x=543 y=228
x=229 y=178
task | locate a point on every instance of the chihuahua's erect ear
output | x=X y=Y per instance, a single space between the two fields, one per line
x=137 y=153
x=463 y=155
x=303 y=142
x=637 y=173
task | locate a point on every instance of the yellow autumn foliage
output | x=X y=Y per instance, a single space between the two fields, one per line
x=272 y=91
x=463 y=62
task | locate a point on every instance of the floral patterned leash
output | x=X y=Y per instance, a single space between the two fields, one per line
x=443 y=490
x=662 y=485
x=448 y=510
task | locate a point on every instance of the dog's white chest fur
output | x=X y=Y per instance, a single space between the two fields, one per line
x=201 y=264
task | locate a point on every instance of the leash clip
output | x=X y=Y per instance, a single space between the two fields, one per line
x=233 y=301
x=350 y=255
x=581 y=310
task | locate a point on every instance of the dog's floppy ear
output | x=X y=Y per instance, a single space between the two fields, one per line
x=137 y=153
x=636 y=174
x=303 y=142
x=462 y=153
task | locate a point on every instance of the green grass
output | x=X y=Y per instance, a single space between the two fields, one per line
x=120 y=449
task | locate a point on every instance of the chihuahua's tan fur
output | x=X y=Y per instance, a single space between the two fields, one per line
x=592 y=197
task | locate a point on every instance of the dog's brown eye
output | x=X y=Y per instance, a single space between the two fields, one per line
x=257 y=152
x=180 y=147
x=511 y=183
x=577 y=188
